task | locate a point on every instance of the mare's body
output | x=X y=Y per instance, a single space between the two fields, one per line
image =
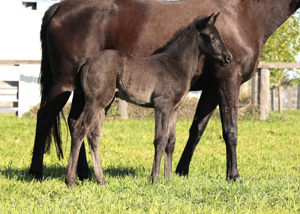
x=74 y=30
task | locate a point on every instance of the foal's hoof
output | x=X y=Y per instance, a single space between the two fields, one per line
x=235 y=178
x=70 y=182
x=155 y=179
x=101 y=183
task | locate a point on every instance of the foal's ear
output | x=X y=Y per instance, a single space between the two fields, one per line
x=214 y=19
x=202 y=23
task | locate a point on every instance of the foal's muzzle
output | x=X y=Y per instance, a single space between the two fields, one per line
x=227 y=58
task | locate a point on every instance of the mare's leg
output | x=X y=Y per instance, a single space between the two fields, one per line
x=81 y=129
x=162 y=119
x=171 y=145
x=46 y=116
x=229 y=101
x=78 y=101
x=93 y=138
x=205 y=108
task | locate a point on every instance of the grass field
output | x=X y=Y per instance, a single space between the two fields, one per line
x=268 y=161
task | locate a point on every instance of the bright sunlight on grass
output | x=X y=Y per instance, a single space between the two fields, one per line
x=268 y=161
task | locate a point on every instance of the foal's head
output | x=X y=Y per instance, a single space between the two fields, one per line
x=210 y=42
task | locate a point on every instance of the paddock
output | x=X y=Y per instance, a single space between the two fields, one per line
x=268 y=159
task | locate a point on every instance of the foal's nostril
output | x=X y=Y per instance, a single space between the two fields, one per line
x=228 y=59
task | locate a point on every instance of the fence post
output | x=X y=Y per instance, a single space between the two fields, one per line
x=122 y=108
x=272 y=90
x=264 y=93
x=254 y=93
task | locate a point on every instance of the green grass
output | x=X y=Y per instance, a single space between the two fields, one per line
x=268 y=161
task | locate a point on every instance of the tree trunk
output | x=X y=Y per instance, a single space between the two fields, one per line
x=122 y=108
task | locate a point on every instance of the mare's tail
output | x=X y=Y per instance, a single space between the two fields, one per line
x=46 y=80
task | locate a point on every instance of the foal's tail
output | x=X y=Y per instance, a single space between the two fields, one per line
x=46 y=80
x=83 y=70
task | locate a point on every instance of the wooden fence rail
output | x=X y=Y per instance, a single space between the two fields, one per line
x=20 y=62
x=278 y=65
x=261 y=85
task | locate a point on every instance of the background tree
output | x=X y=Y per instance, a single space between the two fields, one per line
x=283 y=46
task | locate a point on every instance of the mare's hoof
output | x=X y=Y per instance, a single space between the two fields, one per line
x=84 y=175
x=182 y=172
x=38 y=175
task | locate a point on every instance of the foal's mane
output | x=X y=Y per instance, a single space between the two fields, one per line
x=178 y=36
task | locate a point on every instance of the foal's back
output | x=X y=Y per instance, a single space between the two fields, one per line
x=137 y=80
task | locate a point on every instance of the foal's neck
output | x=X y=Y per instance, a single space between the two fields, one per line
x=183 y=50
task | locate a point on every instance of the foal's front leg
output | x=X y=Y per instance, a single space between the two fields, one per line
x=162 y=118
x=171 y=145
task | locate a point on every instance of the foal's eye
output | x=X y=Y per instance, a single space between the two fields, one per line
x=208 y=38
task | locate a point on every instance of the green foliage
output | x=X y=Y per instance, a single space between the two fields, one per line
x=268 y=158
x=283 y=46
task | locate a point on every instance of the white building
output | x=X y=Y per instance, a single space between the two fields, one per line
x=20 y=23
x=39 y=5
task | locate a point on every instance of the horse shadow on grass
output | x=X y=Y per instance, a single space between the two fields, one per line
x=119 y=171
x=59 y=172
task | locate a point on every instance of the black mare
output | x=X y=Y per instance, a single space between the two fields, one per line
x=160 y=81
x=74 y=30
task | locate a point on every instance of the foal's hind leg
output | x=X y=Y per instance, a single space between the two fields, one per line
x=45 y=119
x=81 y=129
x=78 y=101
x=171 y=145
x=93 y=138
